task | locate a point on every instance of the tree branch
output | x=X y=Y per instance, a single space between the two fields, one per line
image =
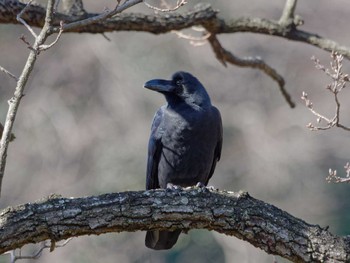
x=263 y=225
x=157 y=24
x=22 y=80
x=202 y=15
x=287 y=17
x=101 y=17
x=37 y=47
x=8 y=73
x=74 y=7
x=225 y=56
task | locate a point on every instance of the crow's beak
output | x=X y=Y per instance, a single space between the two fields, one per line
x=160 y=85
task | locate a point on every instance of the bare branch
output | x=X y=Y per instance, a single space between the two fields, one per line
x=25 y=41
x=19 y=18
x=8 y=73
x=74 y=7
x=35 y=51
x=168 y=9
x=287 y=16
x=334 y=178
x=15 y=100
x=12 y=137
x=203 y=15
x=37 y=254
x=339 y=80
x=45 y=47
x=225 y=56
x=236 y=214
x=101 y=17
x=194 y=40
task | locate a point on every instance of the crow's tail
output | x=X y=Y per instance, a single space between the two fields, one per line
x=159 y=240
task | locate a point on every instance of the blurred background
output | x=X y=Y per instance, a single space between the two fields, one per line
x=83 y=126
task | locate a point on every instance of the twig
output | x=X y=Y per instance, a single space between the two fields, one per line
x=225 y=56
x=287 y=16
x=45 y=47
x=195 y=41
x=334 y=178
x=23 y=38
x=106 y=37
x=15 y=100
x=55 y=8
x=106 y=14
x=74 y=7
x=8 y=73
x=34 y=52
x=20 y=19
x=168 y=9
x=339 y=80
x=37 y=254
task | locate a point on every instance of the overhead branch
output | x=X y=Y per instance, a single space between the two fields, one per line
x=225 y=56
x=235 y=214
x=74 y=7
x=203 y=15
x=287 y=17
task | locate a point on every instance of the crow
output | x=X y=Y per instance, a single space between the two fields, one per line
x=185 y=142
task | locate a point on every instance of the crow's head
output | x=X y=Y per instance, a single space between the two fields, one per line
x=182 y=88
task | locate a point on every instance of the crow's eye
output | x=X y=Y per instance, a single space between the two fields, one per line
x=178 y=82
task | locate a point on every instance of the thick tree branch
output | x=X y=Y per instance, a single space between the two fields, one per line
x=237 y=214
x=203 y=15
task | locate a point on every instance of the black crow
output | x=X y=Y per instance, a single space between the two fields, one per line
x=185 y=142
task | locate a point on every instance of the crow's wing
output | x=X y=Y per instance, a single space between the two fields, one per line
x=218 y=147
x=154 y=150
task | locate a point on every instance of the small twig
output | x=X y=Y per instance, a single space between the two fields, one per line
x=35 y=49
x=105 y=36
x=334 y=178
x=178 y=5
x=287 y=16
x=37 y=254
x=225 y=56
x=8 y=73
x=45 y=47
x=195 y=41
x=57 y=3
x=339 y=80
x=104 y=15
x=20 y=19
x=21 y=83
x=320 y=117
x=29 y=46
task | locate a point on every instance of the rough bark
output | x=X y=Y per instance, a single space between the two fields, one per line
x=203 y=15
x=236 y=214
